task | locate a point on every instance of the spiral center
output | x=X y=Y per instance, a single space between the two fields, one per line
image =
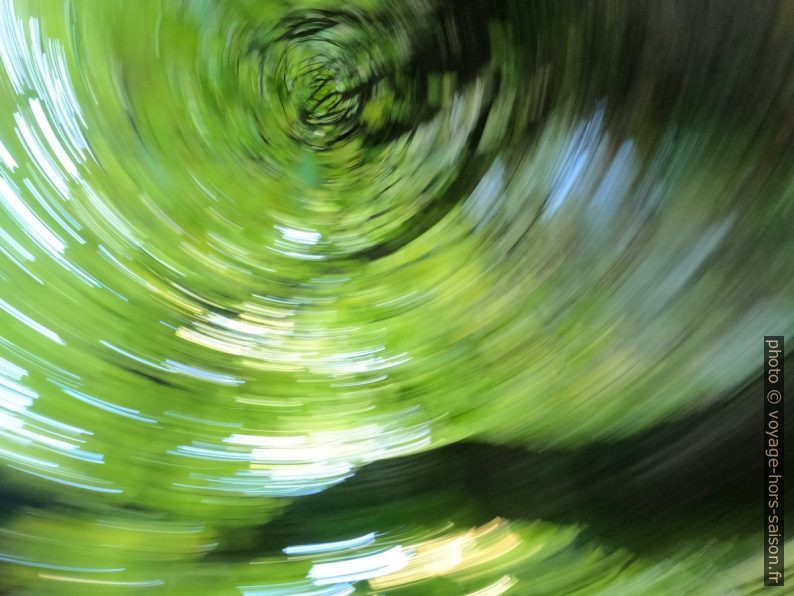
x=326 y=104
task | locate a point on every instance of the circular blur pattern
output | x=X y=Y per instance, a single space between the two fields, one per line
x=252 y=252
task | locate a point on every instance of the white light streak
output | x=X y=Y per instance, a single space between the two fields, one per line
x=328 y=547
x=360 y=568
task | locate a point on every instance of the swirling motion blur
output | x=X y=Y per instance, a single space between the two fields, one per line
x=247 y=248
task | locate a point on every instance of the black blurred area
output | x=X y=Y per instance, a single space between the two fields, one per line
x=694 y=480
